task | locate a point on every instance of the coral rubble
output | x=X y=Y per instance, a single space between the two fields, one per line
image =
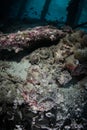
x=28 y=38
x=47 y=88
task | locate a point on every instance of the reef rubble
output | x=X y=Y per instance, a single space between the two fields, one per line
x=47 y=88
x=28 y=38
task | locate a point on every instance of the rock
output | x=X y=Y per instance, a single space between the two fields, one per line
x=58 y=56
x=81 y=54
x=28 y=38
x=81 y=69
x=83 y=83
x=34 y=59
x=71 y=63
x=30 y=92
x=63 y=78
x=84 y=41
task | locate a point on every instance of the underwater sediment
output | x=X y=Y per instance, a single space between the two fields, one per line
x=47 y=88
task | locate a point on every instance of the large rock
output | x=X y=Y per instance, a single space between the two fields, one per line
x=28 y=38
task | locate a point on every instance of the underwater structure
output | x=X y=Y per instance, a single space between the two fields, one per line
x=71 y=12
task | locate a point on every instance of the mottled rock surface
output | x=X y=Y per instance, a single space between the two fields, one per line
x=28 y=38
x=46 y=89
